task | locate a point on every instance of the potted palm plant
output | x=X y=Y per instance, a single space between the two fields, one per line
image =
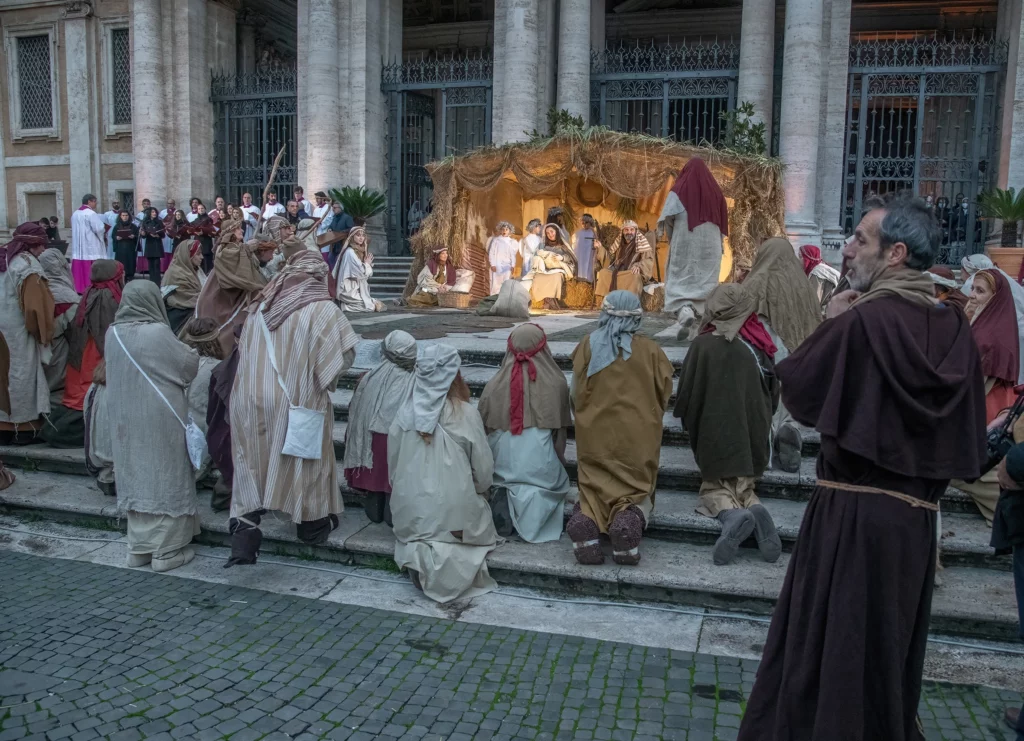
x=361 y=203
x=1007 y=206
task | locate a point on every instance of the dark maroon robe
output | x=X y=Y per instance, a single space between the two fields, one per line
x=896 y=391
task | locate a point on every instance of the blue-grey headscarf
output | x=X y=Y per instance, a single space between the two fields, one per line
x=620 y=318
x=436 y=368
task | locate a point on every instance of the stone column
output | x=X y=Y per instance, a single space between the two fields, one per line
x=246 y=45
x=800 y=117
x=831 y=167
x=149 y=133
x=322 y=106
x=498 y=78
x=574 y=58
x=520 y=114
x=1011 y=129
x=82 y=125
x=192 y=117
x=757 y=60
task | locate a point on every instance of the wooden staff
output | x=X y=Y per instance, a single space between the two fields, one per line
x=317 y=223
x=270 y=183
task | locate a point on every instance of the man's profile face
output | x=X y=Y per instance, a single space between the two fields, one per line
x=92 y=204
x=864 y=252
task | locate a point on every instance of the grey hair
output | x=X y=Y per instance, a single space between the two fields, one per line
x=907 y=219
x=534 y=223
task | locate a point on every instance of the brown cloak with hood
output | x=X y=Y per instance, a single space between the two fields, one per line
x=895 y=389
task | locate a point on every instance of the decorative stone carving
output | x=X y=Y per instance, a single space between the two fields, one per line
x=77 y=9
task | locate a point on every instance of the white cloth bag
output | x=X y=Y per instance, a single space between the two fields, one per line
x=195 y=440
x=304 y=437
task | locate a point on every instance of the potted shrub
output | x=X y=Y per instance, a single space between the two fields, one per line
x=361 y=203
x=1008 y=206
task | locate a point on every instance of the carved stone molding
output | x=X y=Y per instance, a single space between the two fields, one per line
x=77 y=9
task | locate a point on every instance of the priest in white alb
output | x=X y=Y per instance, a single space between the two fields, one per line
x=88 y=242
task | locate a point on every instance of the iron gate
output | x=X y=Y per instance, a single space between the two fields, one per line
x=254 y=118
x=922 y=117
x=676 y=91
x=456 y=90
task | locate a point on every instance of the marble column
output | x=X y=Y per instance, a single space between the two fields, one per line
x=520 y=114
x=800 y=118
x=1010 y=28
x=149 y=120
x=574 y=58
x=81 y=101
x=757 y=60
x=322 y=108
x=831 y=167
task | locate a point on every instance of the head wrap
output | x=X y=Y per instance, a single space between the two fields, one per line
x=942 y=276
x=349 y=243
x=811 y=256
x=630 y=224
x=227 y=230
x=236 y=267
x=782 y=294
x=995 y=331
x=730 y=311
x=436 y=368
x=302 y=281
x=141 y=302
x=58 y=276
x=26 y=236
x=434 y=265
x=96 y=310
x=620 y=318
x=378 y=397
x=973 y=263
x=182 y=274
x=529 y=390
x=272 y=228
x=203 y=335
x=701 y=196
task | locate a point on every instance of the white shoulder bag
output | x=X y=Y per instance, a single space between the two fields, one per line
x=195 y=440
x=305 y=435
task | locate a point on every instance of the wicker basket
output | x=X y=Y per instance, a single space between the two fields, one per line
x=453 y=300
x=579 y=294
x=653 y=303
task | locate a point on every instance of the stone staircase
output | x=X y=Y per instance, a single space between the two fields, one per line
x=389 y=277
x=976 y=599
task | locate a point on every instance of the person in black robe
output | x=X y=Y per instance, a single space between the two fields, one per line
x=126 y=244
x=151 y=232
x=893 y=383
x=1008 y=536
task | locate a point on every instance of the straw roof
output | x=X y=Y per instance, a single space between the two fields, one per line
x=632 y=166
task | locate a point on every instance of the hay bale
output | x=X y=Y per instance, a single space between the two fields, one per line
x=653 y=302
x=579 y=294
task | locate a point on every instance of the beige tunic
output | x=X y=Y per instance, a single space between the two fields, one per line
x=313 y=346
x=26 y=322
x=436 y=491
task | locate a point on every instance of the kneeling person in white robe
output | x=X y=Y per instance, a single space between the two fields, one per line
x=353 y=271
x=525 y=409
x=440 y=465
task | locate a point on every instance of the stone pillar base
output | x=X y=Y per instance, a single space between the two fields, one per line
x=801 y=234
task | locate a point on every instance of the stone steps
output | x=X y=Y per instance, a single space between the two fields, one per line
x=389 y=277
x=977 y=602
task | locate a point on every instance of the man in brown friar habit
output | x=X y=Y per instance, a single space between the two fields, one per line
x=893 y=382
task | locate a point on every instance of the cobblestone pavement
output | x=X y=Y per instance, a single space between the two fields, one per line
x=117 y=654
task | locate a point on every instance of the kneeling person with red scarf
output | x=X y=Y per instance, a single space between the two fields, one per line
x=727 y=394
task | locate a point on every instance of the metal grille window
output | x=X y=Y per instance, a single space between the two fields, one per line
x=121 y=67
x=35 y=83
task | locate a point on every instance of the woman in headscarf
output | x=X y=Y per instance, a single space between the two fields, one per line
x=946 y=290
x=441 y=467
x=151 y=234
x=621 y=384
x=994 y=325
x=126 y=244
x=439 y=275
x=696 y=219
x=156 y=483
x=65 y=301
x=202 y=336
x=86 y=336
x=788 y=307
x=182 y=284
x=824 y=278
x=180 y=230
x=294 y=346
x=727 y=394
x=234 y=284
x=352 y=274
x=525 y=410
x=27 y=324
x=374 y=405
x=502 y=250
x=552 y=265
x=99 y=443
x=971 y=265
